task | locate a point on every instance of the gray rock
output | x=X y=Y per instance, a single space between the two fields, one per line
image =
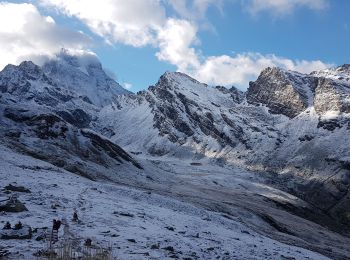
x=331 y=95
x=13 y=205
x=281 y=91
x=76 y=117
x=11 y=187
x=24 y=233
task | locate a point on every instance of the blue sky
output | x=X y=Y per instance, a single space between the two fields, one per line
x=225 y=42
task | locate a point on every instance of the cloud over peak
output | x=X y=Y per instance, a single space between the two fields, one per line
x=131 y=22
x=238 y=70
x=26 y=34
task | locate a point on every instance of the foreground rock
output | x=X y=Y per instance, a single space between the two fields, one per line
x=24 y=233
x=3 y=252
x=11 y=187
x=13 y=205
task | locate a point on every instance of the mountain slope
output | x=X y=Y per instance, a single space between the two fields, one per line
x=284 y=124
x=179 y=113
x=139 y=224
x=46 y=119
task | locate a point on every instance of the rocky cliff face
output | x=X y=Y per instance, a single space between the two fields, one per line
x=283 y=92
x=318 y=108
x=332 y=92
x=332 y=96
x=182 y=107
x=290 y=93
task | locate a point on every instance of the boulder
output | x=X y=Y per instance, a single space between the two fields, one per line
x=13 y=205
x=11 y=187
x=24 y=233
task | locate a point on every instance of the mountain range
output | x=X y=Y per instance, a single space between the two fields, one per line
x=289 y=129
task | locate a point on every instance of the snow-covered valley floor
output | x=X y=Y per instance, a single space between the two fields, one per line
x=199 y=213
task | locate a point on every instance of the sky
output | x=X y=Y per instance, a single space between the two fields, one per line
x=218 y=42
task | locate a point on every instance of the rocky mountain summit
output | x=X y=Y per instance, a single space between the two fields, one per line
x=290 y=93
x=283 y=92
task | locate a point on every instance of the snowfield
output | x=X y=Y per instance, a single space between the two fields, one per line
x=114 y=214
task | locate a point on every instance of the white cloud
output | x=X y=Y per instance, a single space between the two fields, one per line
x=26 y=34
x=140 y=23
x=281 y=7
x=175 y=41
x=242 y=68
x=194 y=9
x=127 y=85
x=132 y=22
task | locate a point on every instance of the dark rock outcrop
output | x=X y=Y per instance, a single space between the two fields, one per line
x=113 y=150
x=11 y=187
x=76 y=117
x=23 y=233
x=13 y=205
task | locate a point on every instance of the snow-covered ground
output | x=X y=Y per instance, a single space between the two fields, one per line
x=113 y=214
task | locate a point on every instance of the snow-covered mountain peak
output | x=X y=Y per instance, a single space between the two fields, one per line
x=26 y=69
x=29 y=67
x=23 y=80
x=340 y=74
x=83 y=74
x=177 y=86
x=179 y=77
x=178 y=80
x=272 y=70
x=80 y=75
x=275 y=71
x=282 y=74
x=344 y=68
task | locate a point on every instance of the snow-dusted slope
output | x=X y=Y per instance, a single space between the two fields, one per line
x=299 y=135
x=179 y=112
x=341 y=73
x=141 y=224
